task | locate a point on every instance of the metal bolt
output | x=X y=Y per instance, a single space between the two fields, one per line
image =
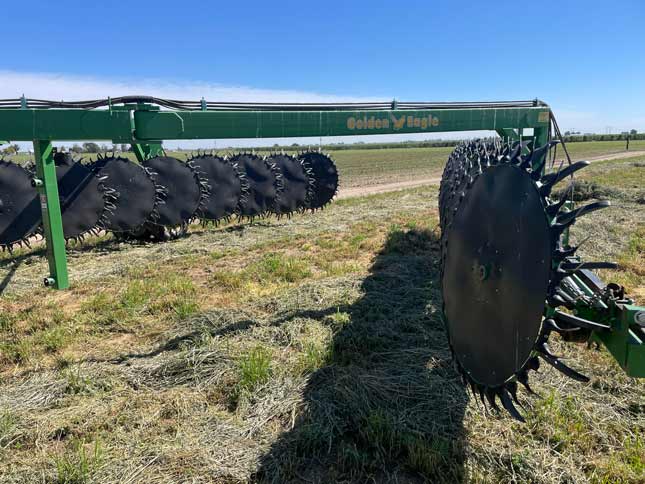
x=36 y=182
x=483 y=272
x=49 y=281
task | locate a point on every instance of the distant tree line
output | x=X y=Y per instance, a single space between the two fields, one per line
x=10 y=150
x=632 y=135
x=569 y=137
x=91 y=147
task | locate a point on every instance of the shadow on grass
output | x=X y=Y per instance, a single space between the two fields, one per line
x=12 y=268
x=388 y=405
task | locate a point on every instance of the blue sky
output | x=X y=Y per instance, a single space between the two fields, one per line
x=586 y=59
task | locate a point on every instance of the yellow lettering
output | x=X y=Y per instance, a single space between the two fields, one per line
x=435 y=121
x=398 y=123
x=351 y=123
x=377 y=124
x=370 y=123
x=386 y=124
x=359 y=124
x=424 y=123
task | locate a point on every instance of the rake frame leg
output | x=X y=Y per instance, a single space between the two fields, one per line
x=47 y=187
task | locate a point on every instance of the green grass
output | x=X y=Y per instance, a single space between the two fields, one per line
x=361 y=167
x=78 y=382
x=78 y=464
x=254 y=368
x=588 y=149
x=557 y=420
x=631 y=260
x=625 y=465
x=16 y=352
x=627 y=174
x=281 y=268
x=8 y=424
x=314 y=356
x=54 y=339
x=168 y=293
x=271 y=269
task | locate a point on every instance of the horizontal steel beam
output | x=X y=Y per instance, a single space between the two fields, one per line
x=65 y=124
x=280 y=124
x=140 y=125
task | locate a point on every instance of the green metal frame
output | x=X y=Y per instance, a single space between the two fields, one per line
x=626 y=338
x=47 y=187
x=144 y=126
x=138 y=123
x=624 y=342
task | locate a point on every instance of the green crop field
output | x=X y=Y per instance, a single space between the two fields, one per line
x=305 y=350
x=365 y=167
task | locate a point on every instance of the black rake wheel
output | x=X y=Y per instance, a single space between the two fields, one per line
x=85 y=201
x=298 y=184
x=184 y=192
x=138 y=198
x=20 y=215
x=503 y=265
x=265 y=184
x=325 y=176
x=228 y=187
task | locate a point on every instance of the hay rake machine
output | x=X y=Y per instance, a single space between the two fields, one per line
x=509 y=276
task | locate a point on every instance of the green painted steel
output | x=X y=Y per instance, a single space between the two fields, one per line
x=281 y=124
x=508 y=133
x=540 y=134
x=146 y=151
x=138 y=125
x=626 y=338
x=65 y=125
x=626 y=341
x=47 y=187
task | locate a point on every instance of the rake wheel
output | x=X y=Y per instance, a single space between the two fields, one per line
x=265 y=184
x=20 y=215
x=325 y=175
x=185 y=193
x=86 y=202
x=504 y=265
x=138 y=198
x=298 y=184
x=228 y=187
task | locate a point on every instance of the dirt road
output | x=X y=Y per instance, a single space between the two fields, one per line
x=616 y=156
x=351 y=192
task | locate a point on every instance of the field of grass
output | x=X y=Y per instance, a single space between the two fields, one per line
x=369 y=167
x=587 y=149
x=301 y=350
